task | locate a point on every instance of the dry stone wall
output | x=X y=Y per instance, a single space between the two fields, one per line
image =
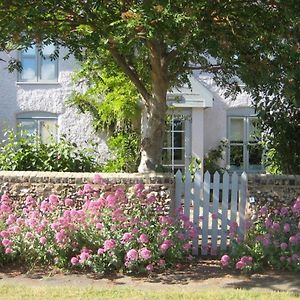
x=19 y=184
x=278 y=189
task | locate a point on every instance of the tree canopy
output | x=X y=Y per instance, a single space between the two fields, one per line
x=157 y=44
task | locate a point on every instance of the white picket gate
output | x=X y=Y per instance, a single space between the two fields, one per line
x=210 y=211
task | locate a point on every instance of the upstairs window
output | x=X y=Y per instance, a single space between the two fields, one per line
x=244 y=151
x=39 y=64
x=42 y=124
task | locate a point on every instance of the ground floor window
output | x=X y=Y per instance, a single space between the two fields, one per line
x=43 y=124
x=244 y=150
x=177 y=144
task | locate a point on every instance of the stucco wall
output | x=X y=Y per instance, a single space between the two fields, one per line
x=18 y=97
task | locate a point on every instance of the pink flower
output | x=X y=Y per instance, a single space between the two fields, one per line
x=240 y=265
x=149 y=268
x=69 y=202
x=84 y=255
x=225 y=259
x=145 y=253
x=74 y=261
x=8 y=250
x=61 y=236
x=126 y=237
x=164 y=232
x=29 y=201
x=87 y=188
x=6 y=243
x=99 y=226
x=283 y=246
x=286 y=228
x=161 y=262
x=186 y=247
x=100 y=251
x=43 y=240
x=293 y=240
x=143 y=238
x=263 y=210
x=4 y=234
x=132 y=255
x=109 y=244
x=53 y=199
x=276 y=226
x=165 y=245
x=29 y=236
x=295 y=257
x=111 y=200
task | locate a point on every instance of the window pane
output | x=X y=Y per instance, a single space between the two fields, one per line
x=48 y=49
x=48 y=69
x=28 y=125
x=255 y=156
x=29 y=69
x=48 y=131
x=236 y=156
x=236 y=130
x=178 y=124
x=178 y=155
x=254 y=132
x=178 y=139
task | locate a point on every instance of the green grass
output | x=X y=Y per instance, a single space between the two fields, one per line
x=9 y=292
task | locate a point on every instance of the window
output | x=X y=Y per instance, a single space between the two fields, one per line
x=244 y=151
x=176 y=149
x=38 y=64
x=43 y=124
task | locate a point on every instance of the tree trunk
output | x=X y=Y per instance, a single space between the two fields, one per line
x=152 y=135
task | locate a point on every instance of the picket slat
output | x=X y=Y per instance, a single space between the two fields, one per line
x=224 y=223
x=234 y=194
x=187 y=194
x=214 y=215
x=197 y=195
x=178 y=191
x=205 y=216
x=242 y=206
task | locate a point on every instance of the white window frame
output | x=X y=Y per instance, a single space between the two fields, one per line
x=246 y=114
x=38 y=117
x=38 y=59
x=186 y=116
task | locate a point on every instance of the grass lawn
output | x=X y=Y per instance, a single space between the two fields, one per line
x=8 y=292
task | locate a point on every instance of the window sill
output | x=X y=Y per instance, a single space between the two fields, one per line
x=37 y=83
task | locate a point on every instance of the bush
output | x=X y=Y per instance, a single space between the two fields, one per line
x=273 y=240
x=111 y=231
x=23 y=152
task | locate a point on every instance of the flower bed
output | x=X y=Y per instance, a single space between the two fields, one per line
x=111 y=231
x=273 y=240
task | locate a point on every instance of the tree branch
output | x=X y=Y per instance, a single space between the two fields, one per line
x=128 y=70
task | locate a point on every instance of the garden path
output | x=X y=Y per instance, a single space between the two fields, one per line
x=203 y=274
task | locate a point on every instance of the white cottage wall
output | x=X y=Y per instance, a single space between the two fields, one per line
x=17 y=97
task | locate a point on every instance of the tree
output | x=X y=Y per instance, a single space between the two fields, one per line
x=157 y=44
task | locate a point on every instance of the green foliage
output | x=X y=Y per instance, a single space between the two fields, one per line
x=157 y=44
x=112 y=101
x=280 y=123
x=23 y=152
x=213 y=157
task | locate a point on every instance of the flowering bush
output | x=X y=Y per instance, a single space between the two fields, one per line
x=273 y=240
x=121 y=230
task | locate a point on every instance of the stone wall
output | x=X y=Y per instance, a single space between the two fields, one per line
x=41 y=184
x=282 y=189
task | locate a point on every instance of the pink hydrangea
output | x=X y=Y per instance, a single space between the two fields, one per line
x=165 y=245
x=53 y=199
x=74 y=261
x=8 y=250
x=6 y=243
x=43 y=240
x=283 y=246
x=98 y=179
x=145 y=253
x=150 y=268
x=111 y=200
x=126 y=237
x=240 y=265
x=100 y=251
x=164 y=232
x=286 y=227
x=69 y=202
x=132 y=255
x=143 y=238
x=225 y=259
x=109 y=244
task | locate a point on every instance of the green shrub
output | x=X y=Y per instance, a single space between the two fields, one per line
x=23 y=152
